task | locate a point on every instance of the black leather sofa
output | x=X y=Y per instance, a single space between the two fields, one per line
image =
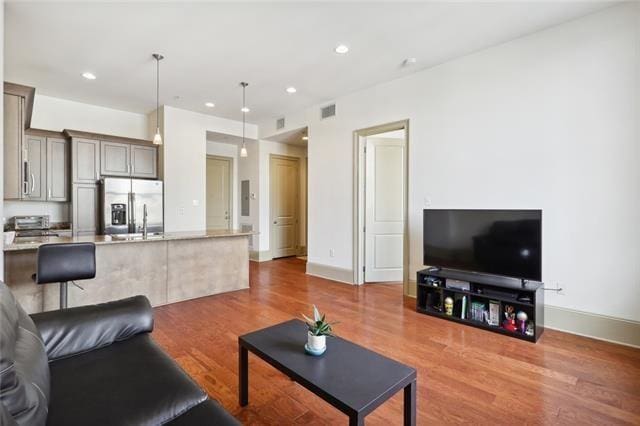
x=93 y=365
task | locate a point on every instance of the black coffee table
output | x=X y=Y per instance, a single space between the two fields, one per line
x=353 y=379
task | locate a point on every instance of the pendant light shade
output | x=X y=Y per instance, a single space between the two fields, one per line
x=157 y=138
x=243 y=150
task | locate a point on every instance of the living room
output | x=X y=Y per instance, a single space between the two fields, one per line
x=265 y=148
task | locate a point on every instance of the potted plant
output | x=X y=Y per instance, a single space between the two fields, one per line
x=318 y=330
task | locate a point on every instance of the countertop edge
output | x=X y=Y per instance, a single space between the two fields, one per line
x=107 y=239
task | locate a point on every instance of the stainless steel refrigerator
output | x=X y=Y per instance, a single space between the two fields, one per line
x=123 y=201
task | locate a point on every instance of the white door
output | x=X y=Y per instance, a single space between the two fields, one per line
x=384 y=212
x=284 y=182
x=218 y=193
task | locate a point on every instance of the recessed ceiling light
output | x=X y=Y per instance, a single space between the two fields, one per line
x=409 y=61
x=291 y=89
x=245 y=109
x=89 y=76
x=305 y=138
x=209 y=104
x=341 y=49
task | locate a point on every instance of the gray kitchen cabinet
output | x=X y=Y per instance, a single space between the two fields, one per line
x=57 y=169
x=85 y=209
x=35 y=167
x=85 y=159
x=144 y=161
x=115 y=159
x=13 y=135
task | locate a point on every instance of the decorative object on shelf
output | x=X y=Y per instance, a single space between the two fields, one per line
x=448 y=306
x=530 y=329
x=509 y=322
x=521 y=322
x=243 y=149
x=494 y=313
x=157 y=138
x=318 y=330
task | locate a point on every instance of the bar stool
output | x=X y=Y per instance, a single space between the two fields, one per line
x=61 y=263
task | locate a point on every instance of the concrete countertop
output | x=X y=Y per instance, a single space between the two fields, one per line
x=32 y=243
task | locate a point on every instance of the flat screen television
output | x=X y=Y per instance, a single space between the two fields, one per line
x=498 y=242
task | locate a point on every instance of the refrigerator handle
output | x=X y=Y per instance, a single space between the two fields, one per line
x=133 y=212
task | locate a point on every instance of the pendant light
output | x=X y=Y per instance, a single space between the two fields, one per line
x=243 y=150
x=157 y=139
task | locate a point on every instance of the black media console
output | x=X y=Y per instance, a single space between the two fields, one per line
x=481 y=300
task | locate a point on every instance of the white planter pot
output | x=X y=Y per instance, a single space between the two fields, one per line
x=316 y=343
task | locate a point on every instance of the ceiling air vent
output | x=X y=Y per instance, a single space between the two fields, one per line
x=328 y=111
x=280 y=123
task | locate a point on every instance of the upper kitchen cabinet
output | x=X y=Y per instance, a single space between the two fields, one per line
x=115 y=159
x=34 y=156
x=18 y=105
x=57 y=169
x=85 y=160
x=13 y=135
x=144 y=161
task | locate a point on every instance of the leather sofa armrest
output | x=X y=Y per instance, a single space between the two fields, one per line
x=73 y=331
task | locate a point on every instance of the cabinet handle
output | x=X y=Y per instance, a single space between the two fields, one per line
x=49 y=197
x=33 y=182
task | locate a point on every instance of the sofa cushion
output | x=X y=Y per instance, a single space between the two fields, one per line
x=24 y=370
x=132 y=382
x=206 y=413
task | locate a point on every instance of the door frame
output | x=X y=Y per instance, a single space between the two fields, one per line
x=359 y=207
x=231 y=197
x=296 y=204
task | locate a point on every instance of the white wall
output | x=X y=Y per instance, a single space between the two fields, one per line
x=231 y=151
x=57 y=114
x=184 y=164
x=248 y=170
x=546 y=121
x=266 y=149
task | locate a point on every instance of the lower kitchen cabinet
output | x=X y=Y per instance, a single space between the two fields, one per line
x=85 y=209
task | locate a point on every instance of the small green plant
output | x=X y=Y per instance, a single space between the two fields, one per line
x=318 y=326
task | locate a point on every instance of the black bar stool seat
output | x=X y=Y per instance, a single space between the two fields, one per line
x=61 y=263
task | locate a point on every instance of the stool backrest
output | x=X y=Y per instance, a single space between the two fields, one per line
x=65 y=262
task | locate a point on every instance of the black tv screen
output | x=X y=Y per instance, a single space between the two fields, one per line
x=500 y=242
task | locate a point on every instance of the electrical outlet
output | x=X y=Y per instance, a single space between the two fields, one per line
x=180 y=211
x=331 y=253
x=427 y=201
x=196 y=203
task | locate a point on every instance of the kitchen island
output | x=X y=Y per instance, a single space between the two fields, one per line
x=166 y=268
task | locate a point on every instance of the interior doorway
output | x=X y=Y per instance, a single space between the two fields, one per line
x=284 y=205
x=219 y=207
x=381 y=243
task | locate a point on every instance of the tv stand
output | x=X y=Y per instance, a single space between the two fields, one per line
x=485 y=302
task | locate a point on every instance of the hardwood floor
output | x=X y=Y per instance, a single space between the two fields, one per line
x=465 y=375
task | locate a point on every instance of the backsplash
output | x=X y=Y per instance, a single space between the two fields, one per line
x=58 y=212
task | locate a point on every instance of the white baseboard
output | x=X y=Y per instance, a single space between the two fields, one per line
x=334 y=273
x=601 y=327
x=260 y=256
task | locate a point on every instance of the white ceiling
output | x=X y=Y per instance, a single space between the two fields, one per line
x=211 y=47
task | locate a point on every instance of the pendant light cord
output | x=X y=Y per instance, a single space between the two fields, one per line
x=244 y=110
x=158 y=93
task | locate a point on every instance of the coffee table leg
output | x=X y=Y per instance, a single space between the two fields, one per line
x=356 y=420
x=410 y=404
x=243 y=375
